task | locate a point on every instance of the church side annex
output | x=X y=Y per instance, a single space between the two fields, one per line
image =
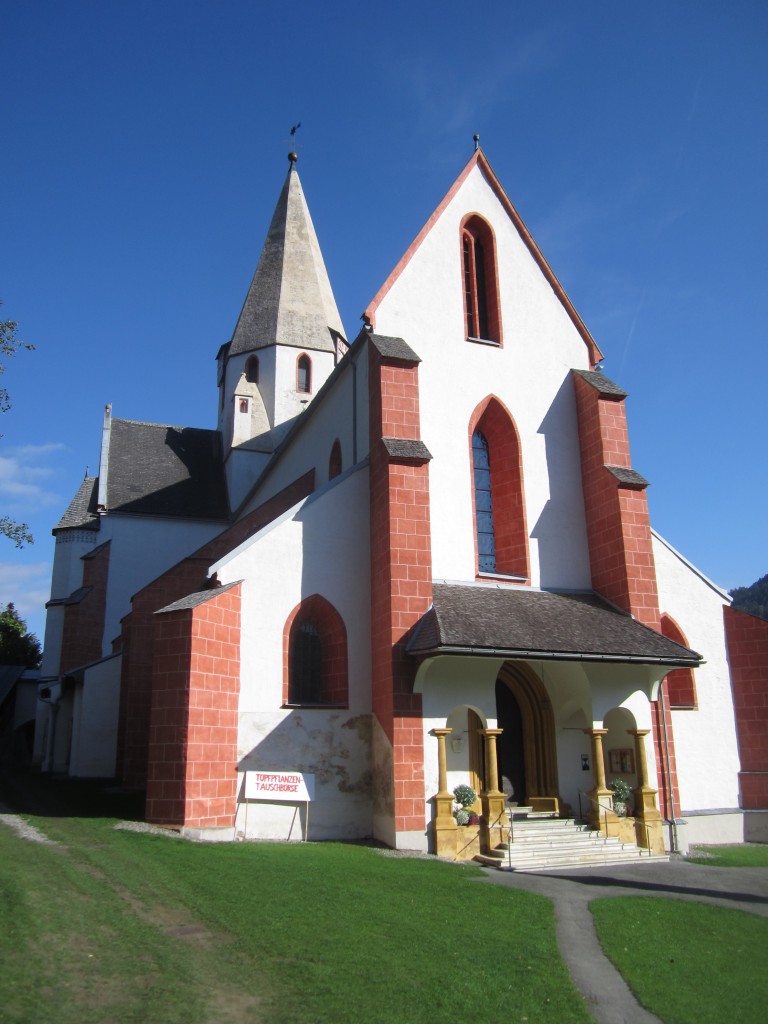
x=398 y=564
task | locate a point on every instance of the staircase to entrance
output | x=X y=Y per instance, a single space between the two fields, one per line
x=543 y=842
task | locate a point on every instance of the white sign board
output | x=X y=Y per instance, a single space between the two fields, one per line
x=279 y=786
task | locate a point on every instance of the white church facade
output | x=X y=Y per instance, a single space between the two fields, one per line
x=419 y=559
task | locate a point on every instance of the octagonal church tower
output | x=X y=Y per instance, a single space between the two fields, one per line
x=287 y=340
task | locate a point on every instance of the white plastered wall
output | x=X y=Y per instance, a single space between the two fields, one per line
x=705 y=739
x=321 y=546
x=341 y=414
x=530 y=374
x=142 y=549
x=94 y=721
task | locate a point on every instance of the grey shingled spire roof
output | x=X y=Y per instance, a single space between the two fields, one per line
x=290 y=301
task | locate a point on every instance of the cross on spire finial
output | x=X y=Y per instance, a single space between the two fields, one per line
x=293 y=156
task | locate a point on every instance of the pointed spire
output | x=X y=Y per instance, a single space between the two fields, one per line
x=290 y=301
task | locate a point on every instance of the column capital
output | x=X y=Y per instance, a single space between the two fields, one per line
x=595 y=732
x=638 y=732
x=440 y=732
x=490 y=732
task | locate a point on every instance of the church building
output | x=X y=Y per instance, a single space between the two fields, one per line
x=402 y=562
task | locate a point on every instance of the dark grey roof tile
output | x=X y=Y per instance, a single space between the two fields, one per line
x=156 y=469
x=524 y=623
x=393 y=348
x=601 y=383
x=196 y=599
x=82 y=514
x=629 y=477
x=403 y=448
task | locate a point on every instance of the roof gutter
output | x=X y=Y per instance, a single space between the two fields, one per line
x=497 y=652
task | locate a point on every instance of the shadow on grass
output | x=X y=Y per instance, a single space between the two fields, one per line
x=25 y=791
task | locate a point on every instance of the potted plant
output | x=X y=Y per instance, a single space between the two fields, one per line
x=465 y=797
x=621 y=794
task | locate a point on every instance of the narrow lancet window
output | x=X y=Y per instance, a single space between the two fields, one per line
x=304 y=375
x=481 y=467
x=481 y=301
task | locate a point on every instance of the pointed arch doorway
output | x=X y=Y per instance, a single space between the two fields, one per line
x=526 y=750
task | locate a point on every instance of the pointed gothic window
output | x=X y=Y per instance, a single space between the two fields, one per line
x=252 y=370
x=304 y=374
x=482 y=319
x=315 y=640
x=501 y=533
x=481 y=467
x=306 y=665
x=680 y=684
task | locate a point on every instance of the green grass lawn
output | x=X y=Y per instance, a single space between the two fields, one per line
x=744 y=855
x=689 y=963
x=114 y=926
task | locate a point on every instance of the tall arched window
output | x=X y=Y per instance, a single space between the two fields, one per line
x=482 y=316
x=304 y=374
x=501 y=533
x=680 y=684
x=306 y=686
x=252 y=370
x=315 y=647
x=481 y=470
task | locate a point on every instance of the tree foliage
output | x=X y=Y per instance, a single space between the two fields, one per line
x=10 y=343
x=17 y=645
x=753 y=600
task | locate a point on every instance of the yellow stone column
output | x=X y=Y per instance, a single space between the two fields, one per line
x=648 y=825
x=495 y=822
x=444 y=824
x=601 y=813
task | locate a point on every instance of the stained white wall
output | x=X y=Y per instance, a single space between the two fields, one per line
x=321 y=546
x=705 y=740
x=530 y=374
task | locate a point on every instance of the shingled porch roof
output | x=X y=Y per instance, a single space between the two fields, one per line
x=519 y=622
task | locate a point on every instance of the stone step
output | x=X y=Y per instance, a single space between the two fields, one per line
x=545 y=843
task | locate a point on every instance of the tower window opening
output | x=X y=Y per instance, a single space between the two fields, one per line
x=252 y=370
x=304 y=375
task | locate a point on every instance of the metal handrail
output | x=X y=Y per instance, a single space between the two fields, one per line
x=642 y=821
x=600 y=808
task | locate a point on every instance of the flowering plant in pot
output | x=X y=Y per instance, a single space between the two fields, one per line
x=621 y=794
x=465 y=796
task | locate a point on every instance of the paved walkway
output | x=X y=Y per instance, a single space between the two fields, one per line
x=608 y=997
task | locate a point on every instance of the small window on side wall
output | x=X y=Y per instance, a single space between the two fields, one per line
x=304 y=375
x=334 y=462
x=482 y=317
x=315 y=644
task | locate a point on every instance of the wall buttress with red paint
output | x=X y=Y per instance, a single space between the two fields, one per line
x=747 y=639
x=619 y=537
x=192 y=778
x=187 y=577
x=401 y=569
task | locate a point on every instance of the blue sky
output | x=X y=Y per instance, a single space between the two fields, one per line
x=145 y=146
